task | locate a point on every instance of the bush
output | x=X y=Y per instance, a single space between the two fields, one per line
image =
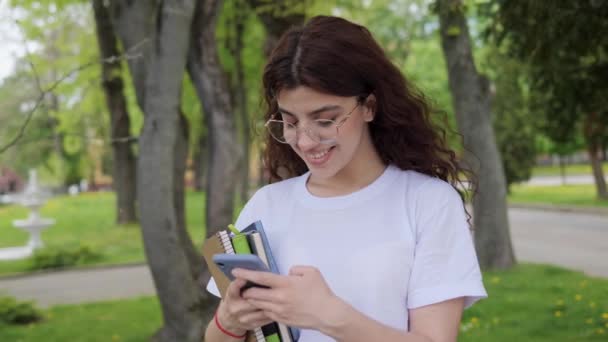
x=14 y=312
x=51 y=258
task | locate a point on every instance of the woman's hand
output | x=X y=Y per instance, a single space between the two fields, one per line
x=301 y=299
x=236 y=314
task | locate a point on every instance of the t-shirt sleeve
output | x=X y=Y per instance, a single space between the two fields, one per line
x=445 y=262
x=248 y=215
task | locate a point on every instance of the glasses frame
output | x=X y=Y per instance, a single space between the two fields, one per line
x=307 y=129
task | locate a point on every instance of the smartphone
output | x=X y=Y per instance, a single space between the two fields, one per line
x=228 y=262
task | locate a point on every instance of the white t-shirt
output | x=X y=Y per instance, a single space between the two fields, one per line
x=400 y=243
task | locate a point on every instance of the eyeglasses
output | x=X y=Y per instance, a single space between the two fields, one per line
x=322 y=131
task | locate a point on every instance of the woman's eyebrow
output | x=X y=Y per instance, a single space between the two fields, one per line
x=315 y=112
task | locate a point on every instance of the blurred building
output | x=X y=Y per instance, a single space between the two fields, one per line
x=10 y=181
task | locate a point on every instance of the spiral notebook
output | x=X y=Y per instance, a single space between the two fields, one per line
x=221 y=243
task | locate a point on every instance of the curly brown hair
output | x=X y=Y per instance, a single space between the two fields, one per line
x=335 y=56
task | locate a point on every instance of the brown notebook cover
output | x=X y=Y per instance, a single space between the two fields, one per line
x=213 y=245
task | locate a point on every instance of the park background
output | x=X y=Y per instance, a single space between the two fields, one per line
x=524 y=83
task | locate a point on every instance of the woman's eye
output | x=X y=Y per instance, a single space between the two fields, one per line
x=289 y=119
x=325 y=123
x=287 y=125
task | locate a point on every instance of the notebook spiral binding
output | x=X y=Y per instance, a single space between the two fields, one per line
x=226 y=242
x=259 y=335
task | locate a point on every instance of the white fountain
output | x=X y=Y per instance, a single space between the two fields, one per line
x=32 y=198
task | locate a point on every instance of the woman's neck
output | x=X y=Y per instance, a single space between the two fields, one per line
x=360 y=172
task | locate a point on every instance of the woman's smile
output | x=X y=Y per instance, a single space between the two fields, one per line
x=319 y=158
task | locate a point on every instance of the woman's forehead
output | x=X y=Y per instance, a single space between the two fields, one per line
x=304 y=100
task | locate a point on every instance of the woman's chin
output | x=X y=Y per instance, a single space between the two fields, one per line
x=323 y=173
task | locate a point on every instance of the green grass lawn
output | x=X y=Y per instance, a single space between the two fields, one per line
x=128 y=320
x=571 y=195
x=529 y=303
x=577 y=169
x=90 y=219
x=539 y=303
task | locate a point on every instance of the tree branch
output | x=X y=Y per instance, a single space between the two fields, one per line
x=44 y=92
x=119 y=140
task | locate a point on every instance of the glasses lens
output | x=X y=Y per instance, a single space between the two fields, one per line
x=321 y=131
x=324 y=131
x=282 y=131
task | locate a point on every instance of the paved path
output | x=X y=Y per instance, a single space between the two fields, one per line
x=557 y=180
x=71 y=287
x=573 y=240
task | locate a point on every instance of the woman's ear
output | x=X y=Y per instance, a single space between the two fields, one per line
x=370 y=108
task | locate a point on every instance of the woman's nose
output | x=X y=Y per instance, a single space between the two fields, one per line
x=304 y=141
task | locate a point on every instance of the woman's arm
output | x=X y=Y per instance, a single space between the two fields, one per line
x=234 y=317
x=303 y=299
x=432 y=323
x=214 y=334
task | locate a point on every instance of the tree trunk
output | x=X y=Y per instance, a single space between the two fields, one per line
x=470 y=96
x=275 y=26
x=134 y=24
x=562 y=169
x=241 y=94
x=598 y=172
x=123 y=172
x=160 y=31
x=200 y=162
x=593 y=129
x=52 y=107
x=195 y=259
x=224 y=152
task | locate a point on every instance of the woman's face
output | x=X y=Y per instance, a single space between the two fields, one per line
x=302 y=106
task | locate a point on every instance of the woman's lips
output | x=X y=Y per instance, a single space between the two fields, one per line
x=319 y=158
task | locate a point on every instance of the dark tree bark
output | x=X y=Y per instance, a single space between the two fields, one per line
x=212 y=89
x=53 y=123
x=275 y=25
x=241 y=96
x=200 y=162
x=471 y=101
x=134 y=24
x=123 y=166
x=195 y=260
x=593 y=129
x=160 y=31
x=562 y=169
x=69 y=176
x=285 y=15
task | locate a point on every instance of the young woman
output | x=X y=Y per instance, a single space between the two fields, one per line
x=365 y=222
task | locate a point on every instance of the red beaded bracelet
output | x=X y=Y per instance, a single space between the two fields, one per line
x=219 y=326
